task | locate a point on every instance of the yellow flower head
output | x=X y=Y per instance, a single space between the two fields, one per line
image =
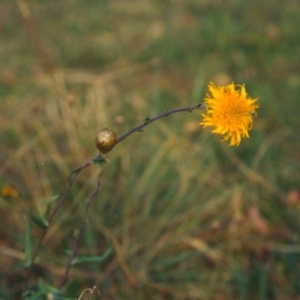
x=230 y=111
x=8 y=191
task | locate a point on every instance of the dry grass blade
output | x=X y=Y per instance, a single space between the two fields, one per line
x=93 y=291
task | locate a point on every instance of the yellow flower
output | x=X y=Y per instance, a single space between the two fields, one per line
x=8 y=191
x=230 y=111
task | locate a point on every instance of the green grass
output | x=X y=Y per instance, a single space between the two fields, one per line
x=187 y=217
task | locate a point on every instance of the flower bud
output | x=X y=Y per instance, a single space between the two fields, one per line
x=105 y=140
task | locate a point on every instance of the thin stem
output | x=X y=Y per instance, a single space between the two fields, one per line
x=80 y=235
x=147 y=121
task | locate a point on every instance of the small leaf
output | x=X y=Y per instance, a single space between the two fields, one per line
x=49 y=205
x=146 y=121
x=99 y=160
x=44 y=215
x=41 y=213
x=42 y=291
x=93 y=259
x=38 y=221
x=27 y=243
x=47 y=288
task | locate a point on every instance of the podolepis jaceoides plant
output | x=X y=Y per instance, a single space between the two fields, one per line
x=228 y=109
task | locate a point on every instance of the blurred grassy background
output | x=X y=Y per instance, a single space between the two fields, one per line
x=187 y=216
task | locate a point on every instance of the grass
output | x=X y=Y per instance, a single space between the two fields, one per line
x=179 y=215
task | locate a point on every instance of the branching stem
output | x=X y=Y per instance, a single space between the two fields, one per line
x=84 y=166
x=80 y=234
